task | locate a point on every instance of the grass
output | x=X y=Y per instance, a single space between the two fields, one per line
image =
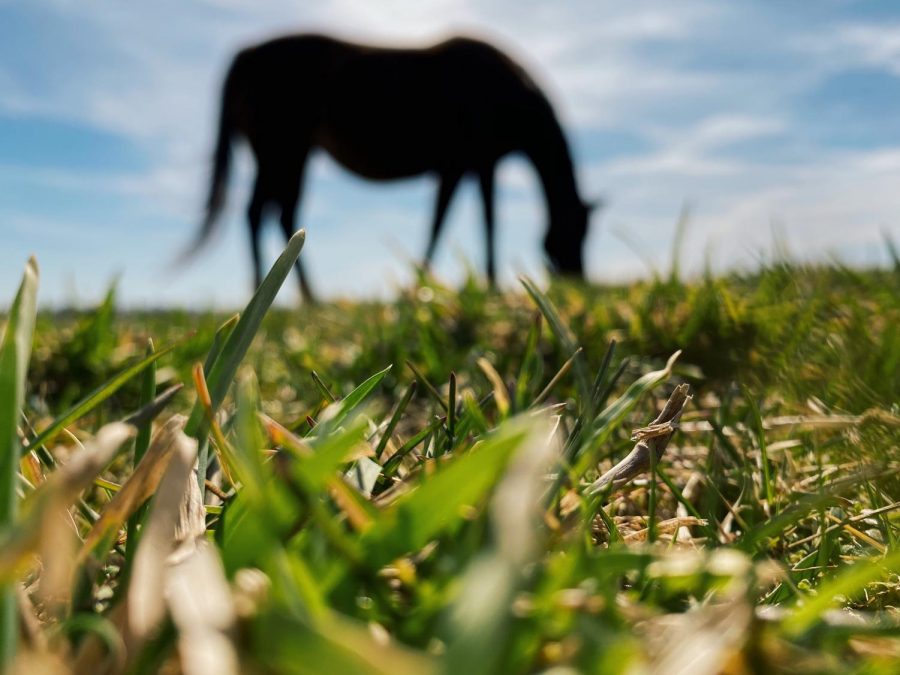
x=434 y=485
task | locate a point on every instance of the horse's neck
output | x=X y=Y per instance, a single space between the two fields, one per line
x=549 y=153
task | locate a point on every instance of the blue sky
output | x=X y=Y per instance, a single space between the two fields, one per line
x=764 y=116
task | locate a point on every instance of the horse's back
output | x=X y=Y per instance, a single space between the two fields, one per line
x=390 y=112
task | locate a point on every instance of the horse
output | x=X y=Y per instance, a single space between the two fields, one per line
x=451 y=109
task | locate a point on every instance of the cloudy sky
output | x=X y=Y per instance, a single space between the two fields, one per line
x=768 y=116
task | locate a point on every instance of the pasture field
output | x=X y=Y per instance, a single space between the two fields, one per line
x=414 y=486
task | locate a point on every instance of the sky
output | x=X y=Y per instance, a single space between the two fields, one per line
x=766 y=120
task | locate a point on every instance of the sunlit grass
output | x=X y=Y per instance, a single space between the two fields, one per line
x=427 y=485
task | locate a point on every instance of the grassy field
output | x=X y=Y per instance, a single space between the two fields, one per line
x=431 y=485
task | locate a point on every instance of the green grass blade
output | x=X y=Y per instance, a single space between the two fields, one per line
x=596 y=507
x=775 y=526
x=330 y=453
x=606 y=392
x=709 y=529
x=563 y=334
x=141 y=443
x=451 y=411
x=322 y=387
x=768 y=479
x=532 y=364
x=349 y=403
x=480 y=623
x=95 y=398
x=15 y=352
x=235 y=347
x=852 y=580
x=678 y=243
x=223 y=332
x=598 y=388
x=393 y=462
x=435 y=504
x=561 y=373
x=435 y=394
x=219 y=339
x=893 y=250
x=395 y=418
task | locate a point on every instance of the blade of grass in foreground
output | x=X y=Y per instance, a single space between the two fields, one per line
x=395 y=418
x=768 y=479
x=355 y=397
x=221 y=337
x=480 y=623
x=238 y=342
x=94 y=399
x=563 y=334
x=851 y=580
x=433 y=505
x=141 y=444
x=15 y=351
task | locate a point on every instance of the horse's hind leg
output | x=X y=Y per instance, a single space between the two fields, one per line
x=289 y=198
x=261 y=191
x=486 y=178
x=448 y=184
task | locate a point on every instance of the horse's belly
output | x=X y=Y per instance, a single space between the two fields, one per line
x=383 y=153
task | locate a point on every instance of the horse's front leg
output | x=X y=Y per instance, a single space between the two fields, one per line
x=446 y=188
x=486 y=178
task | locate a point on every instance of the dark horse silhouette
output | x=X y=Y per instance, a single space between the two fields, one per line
x=451 y=109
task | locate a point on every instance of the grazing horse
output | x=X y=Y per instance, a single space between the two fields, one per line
x=452 y=109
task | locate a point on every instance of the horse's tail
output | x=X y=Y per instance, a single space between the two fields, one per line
x=228 y=129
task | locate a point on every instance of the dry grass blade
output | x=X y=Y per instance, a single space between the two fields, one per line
x=566 y=367
x=700 y=642
x=672 y=526
x=805 y=422
x=280 y=435
x=226 y=458
x=176 y=563
x=177 y=518
x=500 y=394
x=652 y=439
x=840 y=523
x=139 y=486
x=146 y=604
x=202 y=609
x=79 y=473
x=28 y=619
x=47 y=507
x=58 y=543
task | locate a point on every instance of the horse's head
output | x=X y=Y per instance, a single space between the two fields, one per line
x=565 y=240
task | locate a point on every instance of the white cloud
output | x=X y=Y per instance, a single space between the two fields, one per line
x=698 y=151
x=872 y=44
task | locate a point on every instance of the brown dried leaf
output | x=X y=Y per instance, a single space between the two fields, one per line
x=139 y=486
x=653 y=439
